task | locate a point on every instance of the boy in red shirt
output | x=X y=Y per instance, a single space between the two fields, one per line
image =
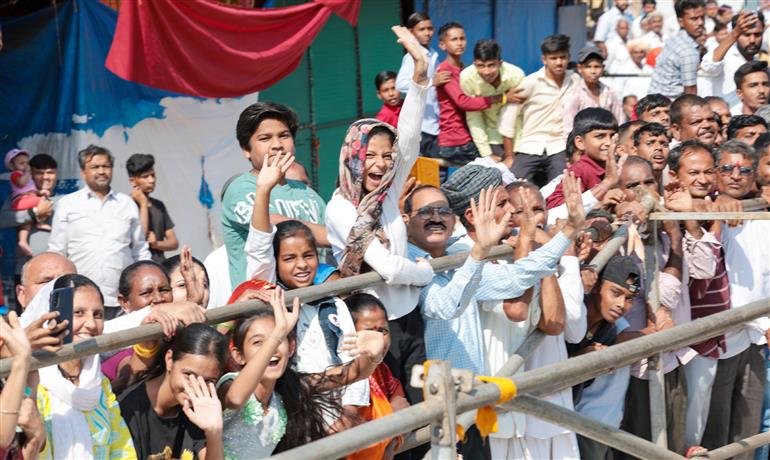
x=385 y=82
x=454 y=138
x=595 y=139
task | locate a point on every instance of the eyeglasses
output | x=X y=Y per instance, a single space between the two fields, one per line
x=726 y=170
x=426 y=212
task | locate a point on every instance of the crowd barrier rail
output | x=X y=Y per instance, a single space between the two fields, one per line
x=431 y=417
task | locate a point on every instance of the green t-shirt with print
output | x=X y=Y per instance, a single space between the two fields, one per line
x=294 y=200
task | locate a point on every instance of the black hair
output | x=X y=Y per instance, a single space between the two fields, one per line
x=627 y=129
x=762 y=143
x=409 y=203
x=173 y=262
x=683 y=5
x=77 y=281
x=594 y=118
x=652 y=130
x=486 y=50
x=256 y=113
x=288 y=229
x=748 y=68
x=360 y=302
x=416 y=18
x=651 y=101
x=676 y=154
x=685 y=100
x=305 y=404
x=382 y=77
x=739 y=122
x=447 y=27
x=571 y=150
x=738 y=147
x=195 y=339
x=760 y=18
x=649 y=2
x=382 y=130
x=554 y=44
x=139 y=163
x=127 y=275
x=90 y=152
x=43 y=161
x=719 y=26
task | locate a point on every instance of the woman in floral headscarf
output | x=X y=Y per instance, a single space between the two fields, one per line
x=363 y=220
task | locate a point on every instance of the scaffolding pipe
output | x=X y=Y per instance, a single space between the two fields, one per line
x=550 y=379
x=537 y=382
x=743 y=446
x=153 y=331
x=590 y=428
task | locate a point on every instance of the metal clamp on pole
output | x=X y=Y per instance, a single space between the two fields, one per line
x=440 y=382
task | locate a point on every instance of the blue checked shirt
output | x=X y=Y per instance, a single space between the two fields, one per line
x=449 y=303
x=676 y=66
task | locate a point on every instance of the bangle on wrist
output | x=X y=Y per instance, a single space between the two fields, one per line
x=504 y=100
x=147 y=353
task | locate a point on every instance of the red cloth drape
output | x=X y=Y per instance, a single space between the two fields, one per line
x=203 y=48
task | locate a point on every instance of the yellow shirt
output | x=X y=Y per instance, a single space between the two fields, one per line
x=483 y=124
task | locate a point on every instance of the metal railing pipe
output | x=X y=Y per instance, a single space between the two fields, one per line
x=556 y=377
x=153 y=331
x=590 y=428
x=743 y=446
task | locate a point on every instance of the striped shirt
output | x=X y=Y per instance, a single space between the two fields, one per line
x=709 y=296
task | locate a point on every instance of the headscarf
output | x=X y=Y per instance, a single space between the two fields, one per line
x=368 y=205
x=468 y=182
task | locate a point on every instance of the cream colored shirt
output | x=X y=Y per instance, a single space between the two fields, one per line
x=483 y=124
x=537 y=125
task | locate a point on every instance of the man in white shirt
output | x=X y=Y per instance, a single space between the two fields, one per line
x=742 y=45
x=738 y=389
x=605 y=26
x=617 y=53
x=97 y=228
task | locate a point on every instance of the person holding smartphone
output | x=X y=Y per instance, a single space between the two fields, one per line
x=79 y=410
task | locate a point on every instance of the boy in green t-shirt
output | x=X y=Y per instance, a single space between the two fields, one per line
x=263 y=130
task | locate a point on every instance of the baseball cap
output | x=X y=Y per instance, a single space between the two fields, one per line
x=13 y=153
x=620 y=269
x=588 y=52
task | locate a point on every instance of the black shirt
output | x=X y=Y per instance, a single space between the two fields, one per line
x=156 y=437
x=160 y=221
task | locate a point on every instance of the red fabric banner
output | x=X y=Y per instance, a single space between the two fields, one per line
x=206 y=49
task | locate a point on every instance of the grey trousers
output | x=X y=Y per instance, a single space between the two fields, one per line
x=636 y=415
x=540 y=169
x=736 y=400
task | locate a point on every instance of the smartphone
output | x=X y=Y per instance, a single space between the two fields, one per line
x=61 y=301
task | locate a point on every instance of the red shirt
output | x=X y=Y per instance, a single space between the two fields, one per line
x=588 y=170
x=389 y=114
x=453 y=103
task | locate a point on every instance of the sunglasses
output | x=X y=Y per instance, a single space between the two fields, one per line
x=726 y=170
x=426 y=212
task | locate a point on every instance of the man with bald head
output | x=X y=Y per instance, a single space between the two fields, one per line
x=38 y=271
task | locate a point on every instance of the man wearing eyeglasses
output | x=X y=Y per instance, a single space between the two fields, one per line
x=740 y=377
x=450 y=303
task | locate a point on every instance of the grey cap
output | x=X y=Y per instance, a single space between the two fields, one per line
x=468 y=182
x=588 y=52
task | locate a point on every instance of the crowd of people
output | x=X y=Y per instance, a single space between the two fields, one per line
x=550 y=163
